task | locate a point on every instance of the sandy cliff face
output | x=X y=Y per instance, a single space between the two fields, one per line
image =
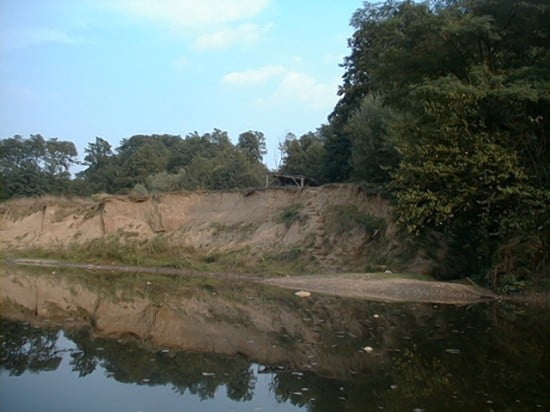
x=330 y=223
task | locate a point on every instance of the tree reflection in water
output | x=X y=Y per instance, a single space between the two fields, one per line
x=27 y=348
x=126 y=360
x=431 y=357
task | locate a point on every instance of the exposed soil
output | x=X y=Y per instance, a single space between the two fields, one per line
x=389 y=289
x=333 y=228
x=370 y=286
x=328 y=229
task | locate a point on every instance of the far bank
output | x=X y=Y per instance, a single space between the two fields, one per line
x=276 y=231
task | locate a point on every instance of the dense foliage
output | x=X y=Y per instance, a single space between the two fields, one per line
x=304 y=156
x=448 y=104
x=35 y=166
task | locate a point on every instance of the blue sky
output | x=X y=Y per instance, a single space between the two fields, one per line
x=76 y=69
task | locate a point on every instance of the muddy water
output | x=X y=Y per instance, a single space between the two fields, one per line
x=128 y=342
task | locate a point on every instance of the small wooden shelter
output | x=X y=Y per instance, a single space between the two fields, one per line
x=289 y=180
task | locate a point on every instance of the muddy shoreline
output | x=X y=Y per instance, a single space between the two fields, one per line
x=368 y=286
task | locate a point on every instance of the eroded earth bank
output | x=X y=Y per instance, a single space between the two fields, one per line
x=334 y=228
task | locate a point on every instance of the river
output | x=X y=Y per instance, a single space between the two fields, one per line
x=88 y=341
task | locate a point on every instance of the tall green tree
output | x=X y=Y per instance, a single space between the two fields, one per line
x=35 y=166
x=59 y=156
x=211 y=162
x=138 y=157
x=101 y=172
x=374 y=153
x=458 y=177
x=194 y=144
x=469 y=84
x=253 y=143
x=303 y=156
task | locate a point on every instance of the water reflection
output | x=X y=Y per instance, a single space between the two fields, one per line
x=235 y=341
x=27 y=348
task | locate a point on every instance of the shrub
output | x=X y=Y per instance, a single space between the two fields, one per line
x=289 y=215
x=345 y=218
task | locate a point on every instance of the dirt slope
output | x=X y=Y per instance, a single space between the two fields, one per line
x=338 y=227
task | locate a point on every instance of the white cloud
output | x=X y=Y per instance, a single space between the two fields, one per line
x=302 y=88
x=190 y=13
x=293 y=87
x=35 y=36
x=253 y=77
x=242 y=35
x=217 y=24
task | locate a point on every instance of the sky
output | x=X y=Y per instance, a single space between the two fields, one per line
x=77 y=69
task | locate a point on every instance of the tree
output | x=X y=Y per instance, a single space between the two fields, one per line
x=228 y=169
x=253 y=144
x=304 y=156
x=217 y=138
x=97 y=153
x=458 y=177
x=337 y=166
x=211 y=162
x=373 y=149
x=356 y=85
x=182 y=153
x=35 y=166
x=139 y=157
x=58 y=157
x=101 y=171
x=468 y=86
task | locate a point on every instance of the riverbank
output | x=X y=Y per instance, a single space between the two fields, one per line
x=272 y=231
x=384 y=287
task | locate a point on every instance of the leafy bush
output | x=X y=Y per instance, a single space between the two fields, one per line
x=345 y=218
x=290 y=215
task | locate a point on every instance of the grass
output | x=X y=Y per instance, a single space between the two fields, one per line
x=345 y=218
x=125 y=248
x=244 y=230
x=290 y=215
x=295 y=261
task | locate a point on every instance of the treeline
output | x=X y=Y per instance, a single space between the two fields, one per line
x=168 y=163
x=143 y=163
x=444 y=106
